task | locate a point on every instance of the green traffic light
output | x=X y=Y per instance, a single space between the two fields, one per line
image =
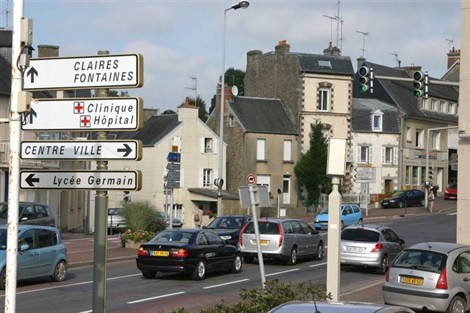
x=418 y=93
x=364 y=88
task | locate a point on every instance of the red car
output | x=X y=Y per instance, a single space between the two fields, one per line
x=451 y=192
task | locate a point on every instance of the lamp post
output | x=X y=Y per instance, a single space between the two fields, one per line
x=239 y=5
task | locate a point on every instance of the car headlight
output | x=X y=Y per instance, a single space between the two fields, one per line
x=316 y=220
x=392 y=200
x=226 y=237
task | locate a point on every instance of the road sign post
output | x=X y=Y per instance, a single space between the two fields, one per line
x=85 y=72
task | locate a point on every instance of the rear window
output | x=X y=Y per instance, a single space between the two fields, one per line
x=266 y=228
x=360 y=234
x=421 y=259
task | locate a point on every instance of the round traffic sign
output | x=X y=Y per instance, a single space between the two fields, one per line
x=251 y=179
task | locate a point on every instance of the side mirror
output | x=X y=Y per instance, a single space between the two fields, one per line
x=23 y=246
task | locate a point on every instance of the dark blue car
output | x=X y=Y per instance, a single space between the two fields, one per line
x=406 y=198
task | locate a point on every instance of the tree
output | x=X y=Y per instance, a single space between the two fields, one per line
x=169 y=111
x=233 y=77
x=201 y=104
x=116 y=93
x=311 y=167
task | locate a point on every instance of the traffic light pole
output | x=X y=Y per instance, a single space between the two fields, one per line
x=431 y=82
x=429 y=130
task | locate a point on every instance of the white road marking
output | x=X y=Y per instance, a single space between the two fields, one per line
x=283 y=272
x=317 y=265
x=228 y=283
x=157 y=297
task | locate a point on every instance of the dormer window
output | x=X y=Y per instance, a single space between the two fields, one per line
x=377 y=121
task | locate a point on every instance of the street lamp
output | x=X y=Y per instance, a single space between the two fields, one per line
x=239 y=5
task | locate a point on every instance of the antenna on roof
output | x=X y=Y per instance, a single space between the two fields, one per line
x=450 y=41
x=339 y=21
x=194 y=87
x=396 y=58
x=364 y=34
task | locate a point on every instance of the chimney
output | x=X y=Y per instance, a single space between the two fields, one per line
x=283 y=47
x=452 y=57
x=251 y=56
x=48 y=51
x=331 y=50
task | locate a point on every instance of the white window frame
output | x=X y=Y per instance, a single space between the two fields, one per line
x=287 y=150
x=377 y=117
x=207 y=174
x=366 y=152
x=419 y=137
x=260 y=149
x=324 y=99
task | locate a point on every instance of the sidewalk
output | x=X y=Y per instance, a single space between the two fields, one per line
x=80 y=246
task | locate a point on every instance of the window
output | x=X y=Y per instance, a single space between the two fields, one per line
x=324 y=98
x=389 y=155
x=419 y=138
x=433 y=104
x=260 y=149
x=207 y=177
x=208 y=144
x=436 y=140
x=415 y=175
x=377 y=121
x=408 y=134
x=364 y=154
x=441 y=106
x=287 y=150
x=230 y=121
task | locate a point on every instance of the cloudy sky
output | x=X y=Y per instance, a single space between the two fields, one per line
x=183 y=39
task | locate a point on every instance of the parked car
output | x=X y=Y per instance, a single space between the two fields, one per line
x=350 y=214
x=337 y=307
x=41 y=253
x=29 y=213
x=115 y=220
x=229 y=227
x=186 y=250
x=285 y=239
x=370 y=245
x=175 y=222
x=451 y=192
x=430 y=276
x=400 y=199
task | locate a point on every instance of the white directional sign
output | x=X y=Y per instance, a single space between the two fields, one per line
x=86 y=180
x=84 y=114
x=85 y=72
x=82 y=150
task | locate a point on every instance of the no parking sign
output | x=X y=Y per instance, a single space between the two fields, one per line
x=251 y=179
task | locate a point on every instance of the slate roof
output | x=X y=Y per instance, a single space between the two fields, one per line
x=400 y=94
x=213 y=193
x=155 y=128
x=262 y=115
x=318 y=63
x=361 y=116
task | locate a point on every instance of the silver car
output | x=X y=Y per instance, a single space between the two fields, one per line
x=370 y=245
x=430 y=276
x=285 y=239
x=337 y=307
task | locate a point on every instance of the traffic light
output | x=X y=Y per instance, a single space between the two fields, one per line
x=366 y=78
x=431 y=172
x=421 y=81
x=126 y=197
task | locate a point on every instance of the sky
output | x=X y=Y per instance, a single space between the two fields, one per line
x=182 y=41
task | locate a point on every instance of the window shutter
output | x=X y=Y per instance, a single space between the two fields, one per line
x=201 y=178
x=395 y=155
x=202 y=148
x=215 y=142
x=384 y=155
x=370 y=154
x=359 y=154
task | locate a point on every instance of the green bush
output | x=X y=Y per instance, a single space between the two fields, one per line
x=257 y=300
x=139 y=215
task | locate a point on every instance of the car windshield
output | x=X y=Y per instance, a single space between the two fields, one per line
x=265 y=228
x=360 y=234
x=397 y=194
x=421 y=259
x=452 y=186
x=3 y=210
x=324 y=211
x=173 y=236
x=3 y=239
x=226 y=222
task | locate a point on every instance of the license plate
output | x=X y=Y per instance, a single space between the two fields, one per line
x=354 y=249
x=412 y=281
x=262 y=242
x=161 y=253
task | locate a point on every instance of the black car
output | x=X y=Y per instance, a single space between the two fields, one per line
x=400 y=199
x=229 y=227
x=29 y=213
x=192 y=251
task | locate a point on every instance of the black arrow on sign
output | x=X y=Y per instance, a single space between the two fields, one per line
x=31 y=180
x=126 y=150
x=32 y=72
x=31 y=115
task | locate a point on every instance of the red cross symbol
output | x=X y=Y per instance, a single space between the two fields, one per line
x=78 y=107
x=85 y=121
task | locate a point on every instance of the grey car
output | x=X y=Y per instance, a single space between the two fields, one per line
x=29 y=213
x=370 y=246
x=337 y=307
x=286 y=239
x=430 y=276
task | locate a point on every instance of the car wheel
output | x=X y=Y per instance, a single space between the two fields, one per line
x=149 y=274
x=457 y=305
x=401 y=204
x=293 y=257
x=422 y=202
x=237 y=264
x=60 y=271
x=320 y=251
x=361 y=222
x=342 y=224
x=3 y=278
x=383 y=265
x=200 y=271
x=248 y=259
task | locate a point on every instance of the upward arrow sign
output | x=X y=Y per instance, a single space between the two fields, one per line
x=32 y=72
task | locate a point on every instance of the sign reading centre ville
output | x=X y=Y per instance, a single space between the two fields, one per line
x=86 y=72
x=84 y=114
x=82 y=150
x=81 y=180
